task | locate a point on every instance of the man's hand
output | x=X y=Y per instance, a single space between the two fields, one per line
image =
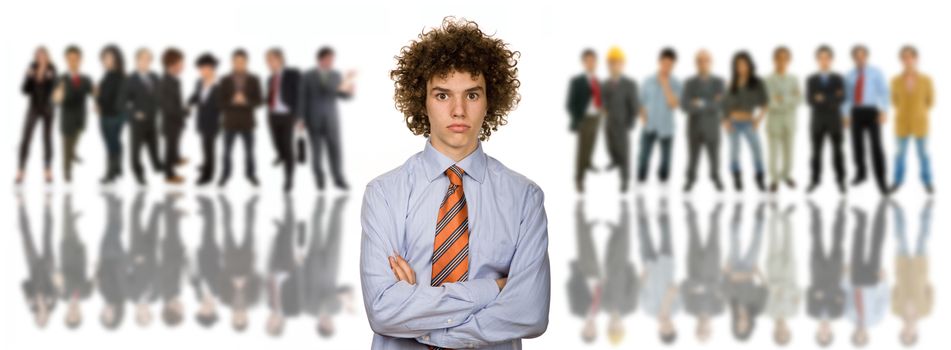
x=882 y=117
x=819 y=98
x=402 y=270
x=501 y=282
x=239 y=98
x=846 y=122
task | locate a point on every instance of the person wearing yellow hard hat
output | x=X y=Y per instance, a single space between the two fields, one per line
x=621 y=106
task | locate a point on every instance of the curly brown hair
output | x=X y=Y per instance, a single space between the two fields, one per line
x=457 y=45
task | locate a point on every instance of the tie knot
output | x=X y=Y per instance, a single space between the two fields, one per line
x=455 y=175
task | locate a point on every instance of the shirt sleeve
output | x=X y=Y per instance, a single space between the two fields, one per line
x=882 y=87
x=398 y=309
x=521 y=309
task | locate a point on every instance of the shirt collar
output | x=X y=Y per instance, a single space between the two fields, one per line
x=435 y=163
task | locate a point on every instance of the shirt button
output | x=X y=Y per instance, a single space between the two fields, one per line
x=449 y=321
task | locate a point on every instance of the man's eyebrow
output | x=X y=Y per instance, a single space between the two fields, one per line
x=475 y=88
x=472 y=89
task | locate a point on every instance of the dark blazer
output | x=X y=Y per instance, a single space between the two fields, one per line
x=74 y=103
x=111 y=92
x=239 y=117
x=317 y=100
x=579 y=95
x=290 y=81
x=827 y=111
x=171 y=104
x=208 y=114
x=40 y=91
x=141 y=96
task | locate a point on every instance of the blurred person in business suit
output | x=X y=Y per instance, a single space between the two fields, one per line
x=825 y=93
x=319 y=90
x=174 y=111
x=72 y=90
x=585 y=106
x=784 y=97
x=621 y=107
x=700 y=100
x=239 y=95
x=142 y=101
x=282 y=113
x=204 y=100
x=866 y=110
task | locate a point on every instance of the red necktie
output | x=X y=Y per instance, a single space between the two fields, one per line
x=596 y=92
x=76 y=80
x=272 y=100
x=859 y=86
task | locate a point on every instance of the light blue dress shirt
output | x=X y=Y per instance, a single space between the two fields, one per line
x=874 y=90
x=508 y=238
x=660 y=117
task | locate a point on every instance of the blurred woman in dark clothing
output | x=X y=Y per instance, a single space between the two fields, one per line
x=38 y=85
x=111 y=112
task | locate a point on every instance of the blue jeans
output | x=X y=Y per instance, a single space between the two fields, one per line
x=923 y=160
x=111 y=127
x=745 y=130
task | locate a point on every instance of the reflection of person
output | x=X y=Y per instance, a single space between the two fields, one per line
x=866 y=288
x=825 y=298
x=701 y=100
x=825 y=92
x=319 y=90
x=660 y=97
x=912 y=96
x=659 y=295
x=239 y=95
x=913 y=295
x=324 y=297
x=501 y=297
x=111 y=107
x=206 y=277
x=745 y=287
x=207 y=115
x=866 y=105
x=585 y=107
x=142 y=99
x=282 y=113
x=783 y=300
x=77 y=284
x=620 y=277
x=584 y=282
x=38 y=86
x=621 y=107
x=142 y=276
x=174 y=112
x=784 y=96
x=172 y=265
x=113 y=267
x=40 y=289
x=702 y=290
x=72 y=91
x=285 y=279
x=240 y=283
x=744 y=106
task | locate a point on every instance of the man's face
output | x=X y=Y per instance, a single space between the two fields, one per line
x=616 y=67
x=143 y=61
x=177 y=67
x=274 y=63
x=72 y=60
x=239 y=63
x=590 y=63
x=207 y=72
x=456 y=106
x=666 y=65
x=860 y=57
x=703 y=62
x=825 y=60
x=909 y=60
x=781 y=60
x=326 y=62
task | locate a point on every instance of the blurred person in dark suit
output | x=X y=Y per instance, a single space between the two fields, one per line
x=208 y=115
x=174 y=112
x=239 y=95
x=621 y=107
x=72 y=90
x=585 y=107
x=142 y=101
x=282 y=113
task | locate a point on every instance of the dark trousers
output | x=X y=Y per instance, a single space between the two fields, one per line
x=694 y=145
x=818 y=136
x=69 y=153
x=587 y=134
x=206 y=171
x=866 y=266
x=173 y=138
x=247 y=137
x=648 y=139
x=329 y=137
x=33 y=116
x=865 y=122
x=144 y=134
x=111 y=127
x=282 y=134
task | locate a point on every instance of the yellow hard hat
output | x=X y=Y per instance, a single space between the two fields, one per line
x=615 y=54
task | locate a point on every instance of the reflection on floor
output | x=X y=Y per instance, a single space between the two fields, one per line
x=147 y=265
x=853 y=288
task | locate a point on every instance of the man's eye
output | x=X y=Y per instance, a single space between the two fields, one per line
x=441 y=96
x=473 y=96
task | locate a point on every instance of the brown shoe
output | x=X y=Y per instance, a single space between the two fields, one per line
x=181 y=161
x=176 y=180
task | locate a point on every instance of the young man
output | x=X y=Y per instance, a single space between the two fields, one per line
x=913 y=96
x=240 y=95
x=320 y=88
x=282 y=111
x=866 y=102
x=621 y=107
x=825 y=93
x=660 y=97
x=73 y=90
x=701 y=101
x=585 y=107
x=784 y=95
x=174 y=112
x=207 y=115
x=142 y=100
x=489 y=289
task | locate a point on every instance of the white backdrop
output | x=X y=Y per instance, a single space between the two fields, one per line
x=366 y=36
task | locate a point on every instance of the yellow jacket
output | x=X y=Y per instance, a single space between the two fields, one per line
x=912 y=105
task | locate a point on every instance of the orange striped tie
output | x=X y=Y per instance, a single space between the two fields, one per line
x=451 y=247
